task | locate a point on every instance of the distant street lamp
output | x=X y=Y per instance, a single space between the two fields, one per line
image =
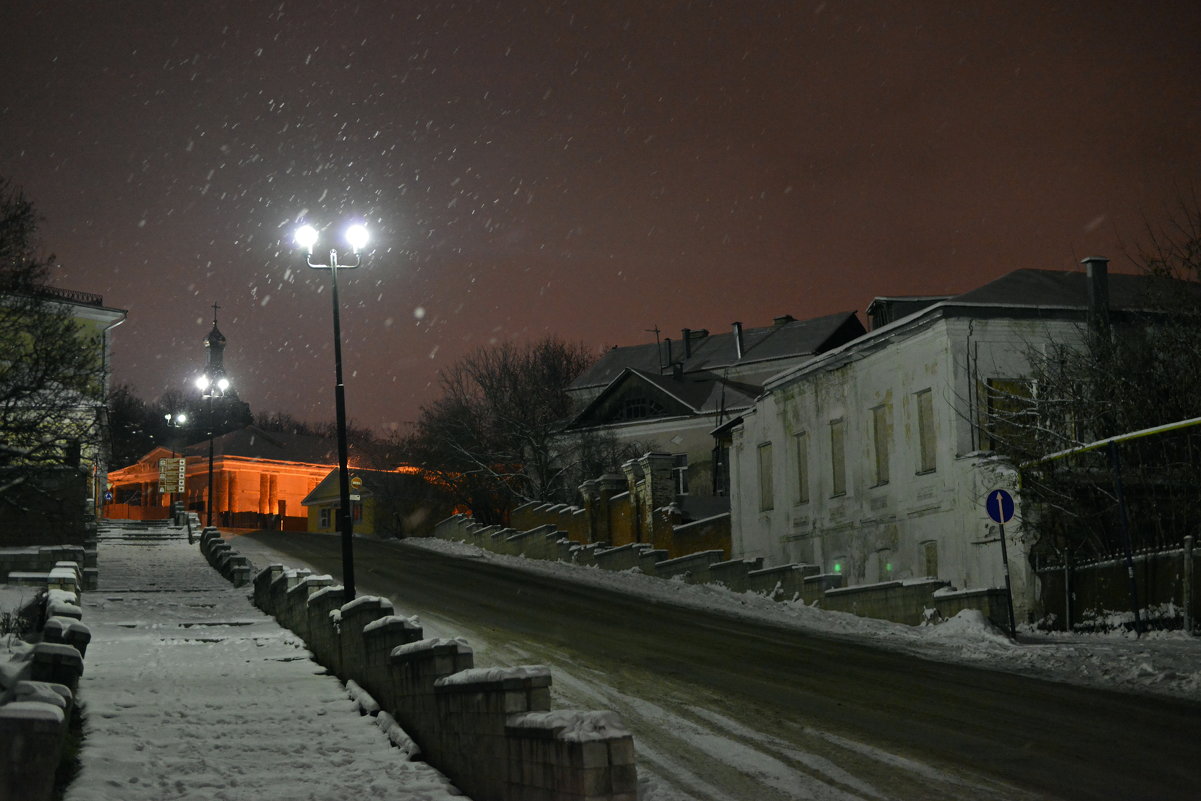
x=177 y=420
x=356 y=237
x=211 y=387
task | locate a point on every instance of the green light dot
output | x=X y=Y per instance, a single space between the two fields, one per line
x=838 y=567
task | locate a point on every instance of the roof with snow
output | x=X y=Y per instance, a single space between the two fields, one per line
x=1060 y=289
x=705 y=352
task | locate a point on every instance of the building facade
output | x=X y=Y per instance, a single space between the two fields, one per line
x=260 y=480
x=873 y=460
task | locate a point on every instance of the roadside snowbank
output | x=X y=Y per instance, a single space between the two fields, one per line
x=1163 y=663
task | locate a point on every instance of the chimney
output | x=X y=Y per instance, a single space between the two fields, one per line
x=1097 y=270
x=783 y=319
x=667 y=342
x=686 y=335
x=738 y=340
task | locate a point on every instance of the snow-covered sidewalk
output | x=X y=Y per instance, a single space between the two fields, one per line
x=191 y=692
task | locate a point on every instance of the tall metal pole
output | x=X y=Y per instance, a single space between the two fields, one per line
x=344 y=510
x=210 y=495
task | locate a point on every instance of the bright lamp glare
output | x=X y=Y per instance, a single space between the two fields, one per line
x=202 y=383
x=306 y=237
x=223 y=384
x=181 y=418
x=356 y=235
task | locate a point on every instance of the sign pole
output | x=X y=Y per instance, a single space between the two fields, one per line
x=1000 y=508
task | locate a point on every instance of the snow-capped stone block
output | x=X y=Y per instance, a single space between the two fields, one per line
x=56 y=662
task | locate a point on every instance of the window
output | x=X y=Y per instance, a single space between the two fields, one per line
x=927 y=436
x=356 y=511
x=880 y=443
x=1009 y=414
x=930 y=558
x=838 y=462
x=884 y=564
x=765 y=478
x=800 y=450
x=637 y=407
x=679 y=472
x=721 y=470
x=326 y=515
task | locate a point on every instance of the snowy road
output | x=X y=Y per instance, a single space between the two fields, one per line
x=191 y=693
x=724 y=708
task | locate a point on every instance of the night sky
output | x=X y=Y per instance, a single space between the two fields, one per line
x=587 y=169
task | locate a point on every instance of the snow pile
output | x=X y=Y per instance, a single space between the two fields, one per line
x=1164 y=663
x=970 y=625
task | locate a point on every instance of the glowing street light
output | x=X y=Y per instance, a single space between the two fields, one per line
x=356 y=236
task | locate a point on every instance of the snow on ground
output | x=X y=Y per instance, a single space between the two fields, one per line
x=1164 y=663
x=191 y=692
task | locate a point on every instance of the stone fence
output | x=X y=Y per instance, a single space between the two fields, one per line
x=637 y=506
x=909 y=602
x=221 y=556
x=37 y=687
x=490 y=730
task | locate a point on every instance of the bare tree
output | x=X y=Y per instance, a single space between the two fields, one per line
x=1132 y=372
x=491 y=437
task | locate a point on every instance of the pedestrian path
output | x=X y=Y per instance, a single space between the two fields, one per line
x=190 y=692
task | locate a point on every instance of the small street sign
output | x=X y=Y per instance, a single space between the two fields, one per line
x=354 y=497
x=356 y=482
x=999 y=505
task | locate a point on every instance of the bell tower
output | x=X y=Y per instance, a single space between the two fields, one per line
x=214 y=343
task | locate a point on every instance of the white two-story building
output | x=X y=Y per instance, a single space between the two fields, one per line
x=873 y=460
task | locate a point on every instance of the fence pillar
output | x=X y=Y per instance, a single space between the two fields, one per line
x=1187 y=600
x=1067 y=591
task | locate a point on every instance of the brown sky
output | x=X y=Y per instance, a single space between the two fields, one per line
x=584 y=169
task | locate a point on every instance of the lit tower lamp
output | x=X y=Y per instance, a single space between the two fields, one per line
x=356 y=237
x=211 y=387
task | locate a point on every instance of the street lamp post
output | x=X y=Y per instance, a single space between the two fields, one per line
x=356 y=236
x=176 y=421
x=211 y=387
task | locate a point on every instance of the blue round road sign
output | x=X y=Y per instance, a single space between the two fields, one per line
x=999 y=504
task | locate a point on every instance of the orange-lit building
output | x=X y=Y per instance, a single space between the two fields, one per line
x=260 y=479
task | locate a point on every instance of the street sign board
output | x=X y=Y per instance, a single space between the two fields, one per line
x=354 y=497
x=356 y=482
x=999 y=505
x=171 y=474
